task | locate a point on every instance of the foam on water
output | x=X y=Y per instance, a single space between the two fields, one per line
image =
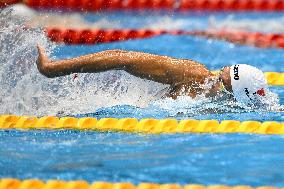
x=26 y=91
x=59 y=20
x=272 y=25
x=171 y=21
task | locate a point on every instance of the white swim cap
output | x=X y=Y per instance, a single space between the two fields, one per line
x=248 y=83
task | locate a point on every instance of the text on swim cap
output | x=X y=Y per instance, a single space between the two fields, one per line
x=236 y=72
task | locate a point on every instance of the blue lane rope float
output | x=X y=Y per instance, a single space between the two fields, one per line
x=10 y=183
x=150 y=126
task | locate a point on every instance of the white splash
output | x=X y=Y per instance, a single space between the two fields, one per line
x=59 y=20
x=272 y=25
x=166 y=23
x=25 y=91
x=174 y=23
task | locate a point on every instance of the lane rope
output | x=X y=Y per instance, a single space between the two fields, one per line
x=87 y=36
x=275 y=78
x=10 y=183
x=182 y=5
x=5 y=3
x=150 y=126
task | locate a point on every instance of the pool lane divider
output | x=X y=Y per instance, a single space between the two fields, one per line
x=148 y=126
x=10 y=183
x=171 y=5
x=96 y=36
x=4 y=3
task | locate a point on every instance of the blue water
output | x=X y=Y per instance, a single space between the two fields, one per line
x=184 y=158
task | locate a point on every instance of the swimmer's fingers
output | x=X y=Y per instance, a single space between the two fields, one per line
x=41 y=60
x=41 y=50
x=41 y=54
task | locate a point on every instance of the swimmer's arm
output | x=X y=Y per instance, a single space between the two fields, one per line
x=161 y=69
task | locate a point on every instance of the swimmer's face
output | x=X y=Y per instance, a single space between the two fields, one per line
x=226 y=78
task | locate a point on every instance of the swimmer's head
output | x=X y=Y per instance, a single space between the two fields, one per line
x=247 y=83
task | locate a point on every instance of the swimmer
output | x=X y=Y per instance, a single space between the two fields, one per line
x=242 y=82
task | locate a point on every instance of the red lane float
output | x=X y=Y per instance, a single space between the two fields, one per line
x=4 y=3
x=71 y=36
x=240 y=5
x=95 y=5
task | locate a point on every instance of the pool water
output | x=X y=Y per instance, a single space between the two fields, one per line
x=231 y=159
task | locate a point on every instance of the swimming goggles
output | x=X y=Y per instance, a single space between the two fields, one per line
x=223 y=88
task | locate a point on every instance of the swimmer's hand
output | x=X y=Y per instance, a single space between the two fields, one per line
x=41 y=60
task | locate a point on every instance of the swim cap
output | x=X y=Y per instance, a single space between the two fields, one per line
x=248 y=83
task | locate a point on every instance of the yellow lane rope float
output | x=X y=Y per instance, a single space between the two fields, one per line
x=150 y=126
x=9 y=183
x=273 y=78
